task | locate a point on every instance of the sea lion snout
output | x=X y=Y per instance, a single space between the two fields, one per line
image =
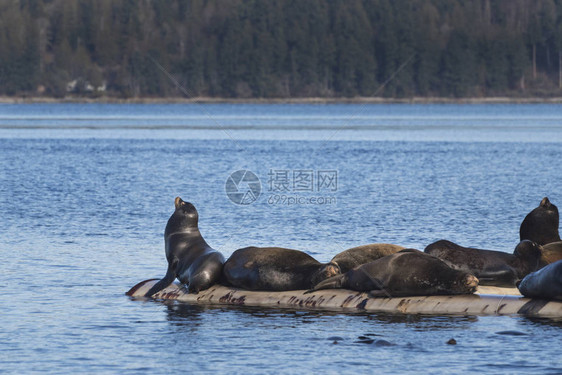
x=332 y=269
x=327 y=271
x=471 y=282
x=545 y=202
x=177 y=202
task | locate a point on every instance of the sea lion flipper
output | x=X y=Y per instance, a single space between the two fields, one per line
x=335 y=282
x=498 y=276
x=167 y=280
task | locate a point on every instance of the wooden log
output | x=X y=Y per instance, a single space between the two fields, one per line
x=488 y=301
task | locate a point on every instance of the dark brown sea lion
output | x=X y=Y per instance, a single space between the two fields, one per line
x=406 y=273
x=551 y=252
x=190 y=258
x=490 y=267
x=356 y=256
x=541 y=224
x=545 y=283
x=274 y=268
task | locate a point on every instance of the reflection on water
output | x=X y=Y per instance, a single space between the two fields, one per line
x=549 y=322
x=180 y=313
x=419 y=321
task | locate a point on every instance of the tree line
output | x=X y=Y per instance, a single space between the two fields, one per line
x=281 y=48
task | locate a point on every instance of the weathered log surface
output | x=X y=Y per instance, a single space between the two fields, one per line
x=487 y=301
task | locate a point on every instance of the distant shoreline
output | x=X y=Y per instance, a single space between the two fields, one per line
x=355 y=100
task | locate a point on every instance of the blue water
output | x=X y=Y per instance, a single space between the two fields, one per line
x=86 y=190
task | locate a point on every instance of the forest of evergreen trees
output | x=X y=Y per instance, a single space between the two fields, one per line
x=281 y=48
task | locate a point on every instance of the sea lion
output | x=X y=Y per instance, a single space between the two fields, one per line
x=190 y=258
x=408 y=272
x=551 y=252
x=490 y=267
x=274 y=268
x=541 y=224
x=356 y=256
x=545 y=283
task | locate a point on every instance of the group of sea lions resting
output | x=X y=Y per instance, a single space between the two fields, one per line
x=384 y=270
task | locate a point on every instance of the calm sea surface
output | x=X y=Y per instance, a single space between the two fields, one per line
x=86 y=190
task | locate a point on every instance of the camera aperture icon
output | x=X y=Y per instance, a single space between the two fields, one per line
x=243 y=187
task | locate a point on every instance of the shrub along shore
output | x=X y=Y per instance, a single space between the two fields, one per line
x=339 y=50
x=355 y=100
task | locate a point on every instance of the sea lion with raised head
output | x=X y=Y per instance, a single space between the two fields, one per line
x=491 y=267
x=406 y=273
x=356 y=256
x=190 y=258
x=545 y=283
x=541 y=224
x=276 y=269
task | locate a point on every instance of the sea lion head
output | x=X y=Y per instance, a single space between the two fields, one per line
x=548 y=208
x=530 y=252
x=541 y=224
x=185 y=215
x=450 y=280
x=464 y=282
x=325 y=272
